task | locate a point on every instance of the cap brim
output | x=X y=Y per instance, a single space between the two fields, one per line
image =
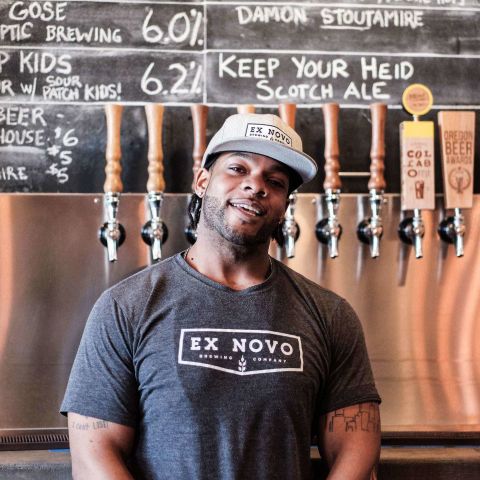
x=302 y=163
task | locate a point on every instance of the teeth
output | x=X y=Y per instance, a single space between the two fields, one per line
x=247 y=207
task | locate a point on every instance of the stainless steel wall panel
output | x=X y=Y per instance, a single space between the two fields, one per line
x=421 y=317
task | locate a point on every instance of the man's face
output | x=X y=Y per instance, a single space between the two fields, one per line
x=245 y=198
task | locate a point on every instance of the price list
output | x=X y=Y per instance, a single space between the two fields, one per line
x=354 y=54
x=225 y=53
x=77 y=55
x=101 y=52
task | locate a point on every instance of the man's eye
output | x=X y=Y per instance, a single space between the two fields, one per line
x=236 y=169
x=277 y=183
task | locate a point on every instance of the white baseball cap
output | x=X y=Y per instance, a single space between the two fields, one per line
x=266 y=135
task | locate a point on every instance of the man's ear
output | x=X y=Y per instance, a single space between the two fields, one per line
x=201 y=181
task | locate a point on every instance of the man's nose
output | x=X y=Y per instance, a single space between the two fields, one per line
x=256 y=185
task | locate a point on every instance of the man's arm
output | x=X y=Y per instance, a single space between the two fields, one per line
x=349 y=441
x=99 y=448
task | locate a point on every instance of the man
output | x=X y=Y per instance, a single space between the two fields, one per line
x=221 y=363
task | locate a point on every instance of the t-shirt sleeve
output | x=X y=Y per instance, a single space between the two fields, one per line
x=102 y=380
x=350 y=378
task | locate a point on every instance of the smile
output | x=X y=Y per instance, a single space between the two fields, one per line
x=248 y=208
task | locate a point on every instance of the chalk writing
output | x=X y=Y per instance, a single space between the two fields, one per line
x=25 y=131
x=369 y=78
x=356 y=19
x=277 y=14
x=169 y=26
x=72 y=57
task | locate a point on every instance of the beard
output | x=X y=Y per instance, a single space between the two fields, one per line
x=213 y=212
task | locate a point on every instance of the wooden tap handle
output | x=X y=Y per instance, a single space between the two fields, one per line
x=332 y=151
x=457 y=140
x=199 y=118
x=246 y=108
x=287 y=113
x=377 y=150
x=113 y=169
x=156 y=180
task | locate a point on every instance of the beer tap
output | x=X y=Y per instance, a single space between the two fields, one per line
x=370 y=230
x=155 y=232
x=452 y=230
x=417 y=165
x=290 y=228
x=199 y=118
x=328 y=230
x=457 y=134
x=412 y=230
x=112 y=233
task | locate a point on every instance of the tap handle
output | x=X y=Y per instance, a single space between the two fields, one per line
x=287 y=113
x=332 y=165
x=457 y=138
x=246 y=108
x=156 y=180
x=199 y=118
x=113 y=168
x=377 y=151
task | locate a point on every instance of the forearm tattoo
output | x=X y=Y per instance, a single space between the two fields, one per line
x=89 y=423
x=365 y=417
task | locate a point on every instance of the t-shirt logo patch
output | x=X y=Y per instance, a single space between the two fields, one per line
x=268 y=132
x=242 y=352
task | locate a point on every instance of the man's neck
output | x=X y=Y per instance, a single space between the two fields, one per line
x=234 y=266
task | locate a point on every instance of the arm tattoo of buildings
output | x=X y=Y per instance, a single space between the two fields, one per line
x=366 y=419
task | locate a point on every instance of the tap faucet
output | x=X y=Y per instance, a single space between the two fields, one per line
x=452 y=230
x=412 y=230
x=290 y=228
x=155 y=231
x=417 y=165
x=328 y=230
x=370 y=230
x=457 y=134
x=112 y=233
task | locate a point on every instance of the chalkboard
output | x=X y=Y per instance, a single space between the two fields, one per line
x=60 y=62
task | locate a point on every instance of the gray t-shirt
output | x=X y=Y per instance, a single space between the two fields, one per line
x=219 y=384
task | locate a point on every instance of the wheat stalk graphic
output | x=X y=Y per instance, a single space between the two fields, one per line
x=242 y=364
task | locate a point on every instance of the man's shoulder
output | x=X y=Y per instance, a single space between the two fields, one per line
x=309 y=287
x=135 y=290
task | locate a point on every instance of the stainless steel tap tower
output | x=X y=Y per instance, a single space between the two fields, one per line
x=112 y=233
x=457 y=137
x=328 y=229
x=417 y=165
x=370 y=230
x=155 y=231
